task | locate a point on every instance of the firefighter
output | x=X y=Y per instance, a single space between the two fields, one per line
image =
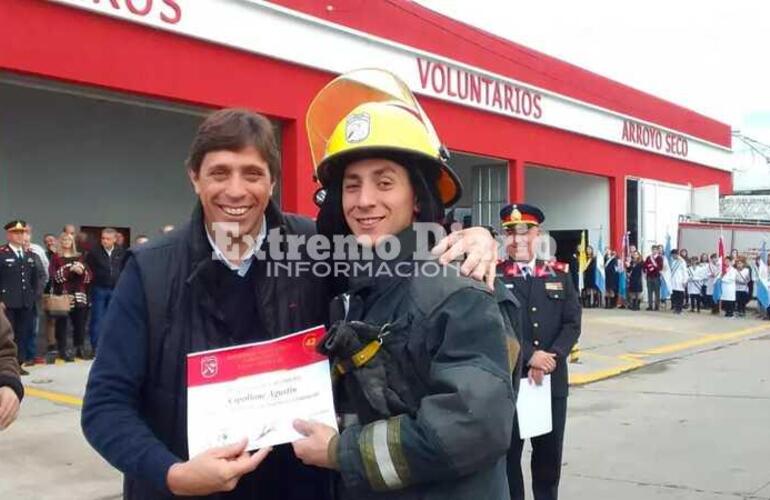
x=423 y=362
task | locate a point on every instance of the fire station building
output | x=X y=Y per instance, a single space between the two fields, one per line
x=99 y=100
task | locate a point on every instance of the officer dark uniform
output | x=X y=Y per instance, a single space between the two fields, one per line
x=551 y=323
x=18 y=283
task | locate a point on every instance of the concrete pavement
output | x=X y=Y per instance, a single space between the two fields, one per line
x=695 y=427
x=665 y=407
x=618 y=340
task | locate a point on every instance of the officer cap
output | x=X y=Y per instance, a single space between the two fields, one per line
x=521 y=213
x=16 y=225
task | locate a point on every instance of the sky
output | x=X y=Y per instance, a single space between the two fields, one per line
x=711 y=56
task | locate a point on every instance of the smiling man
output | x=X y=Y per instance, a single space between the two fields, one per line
x=184 y=293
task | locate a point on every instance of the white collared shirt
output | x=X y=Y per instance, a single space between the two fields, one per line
x=530 y=267
x=248 y=257
x=19 y=251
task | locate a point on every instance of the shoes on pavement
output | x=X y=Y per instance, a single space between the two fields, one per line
x=83 y=354
x=50 y=357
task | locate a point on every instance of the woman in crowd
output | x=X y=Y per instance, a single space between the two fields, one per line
x=635 y=277
x=71 y=276
x=713 y=271
x=705 y=297
x=612 y=278
x=742 y=278
x=678 y=281
x=728 y=288
x=685 y=255
x=696 y=278
x=591 y=296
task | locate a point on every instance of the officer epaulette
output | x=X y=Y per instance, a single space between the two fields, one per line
x=560 y=266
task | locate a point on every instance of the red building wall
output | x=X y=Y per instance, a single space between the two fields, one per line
x=63 y=43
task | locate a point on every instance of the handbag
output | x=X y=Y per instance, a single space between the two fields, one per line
x=58 y=305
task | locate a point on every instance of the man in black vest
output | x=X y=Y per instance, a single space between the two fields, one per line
x=187 y=292
x=18 y=285
x=550 y=327
x=105 y=262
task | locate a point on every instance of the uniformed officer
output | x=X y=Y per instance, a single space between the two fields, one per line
x=18 y=282
x=550 y=327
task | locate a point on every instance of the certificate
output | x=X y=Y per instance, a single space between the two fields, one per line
x=256 y=391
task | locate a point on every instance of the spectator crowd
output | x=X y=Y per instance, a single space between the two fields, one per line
x=59 y=291
x=706 y=282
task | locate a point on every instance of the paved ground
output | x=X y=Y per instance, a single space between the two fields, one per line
x=695 y=427
x=664 y=408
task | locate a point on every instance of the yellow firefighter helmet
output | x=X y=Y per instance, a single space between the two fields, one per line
x=369 y=113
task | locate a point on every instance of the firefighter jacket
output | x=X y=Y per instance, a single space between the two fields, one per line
x=447 y=437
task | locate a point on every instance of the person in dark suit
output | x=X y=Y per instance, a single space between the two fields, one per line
x=18 y=286
x=106 y=263
x=550 y=328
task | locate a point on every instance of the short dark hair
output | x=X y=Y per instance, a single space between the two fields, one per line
x=233 y=130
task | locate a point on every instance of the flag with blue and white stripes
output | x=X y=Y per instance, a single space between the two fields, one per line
x=665 y=273
x=717 y=293
x=621 y=263
x=599 y=271
x=763 y=295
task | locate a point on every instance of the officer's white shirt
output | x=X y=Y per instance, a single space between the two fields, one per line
x=248 y=257
x=19 y=251
x=528 y=268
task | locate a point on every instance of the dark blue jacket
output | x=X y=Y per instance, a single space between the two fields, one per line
x=134 y=413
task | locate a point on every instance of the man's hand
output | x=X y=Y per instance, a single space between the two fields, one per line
x=535 y=376
x=2 y=307
x=9 y=407
x=545 y=361
x=480 y=250
x=313 y=449
x=214 y=470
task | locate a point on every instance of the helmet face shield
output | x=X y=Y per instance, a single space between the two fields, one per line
x=357 y=111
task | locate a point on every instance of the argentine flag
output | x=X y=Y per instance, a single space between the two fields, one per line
x=599 y=276
x=763 y=295
x=665 y=273
x=621 y=261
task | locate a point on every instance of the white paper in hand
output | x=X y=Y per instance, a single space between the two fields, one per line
x=533 y=408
